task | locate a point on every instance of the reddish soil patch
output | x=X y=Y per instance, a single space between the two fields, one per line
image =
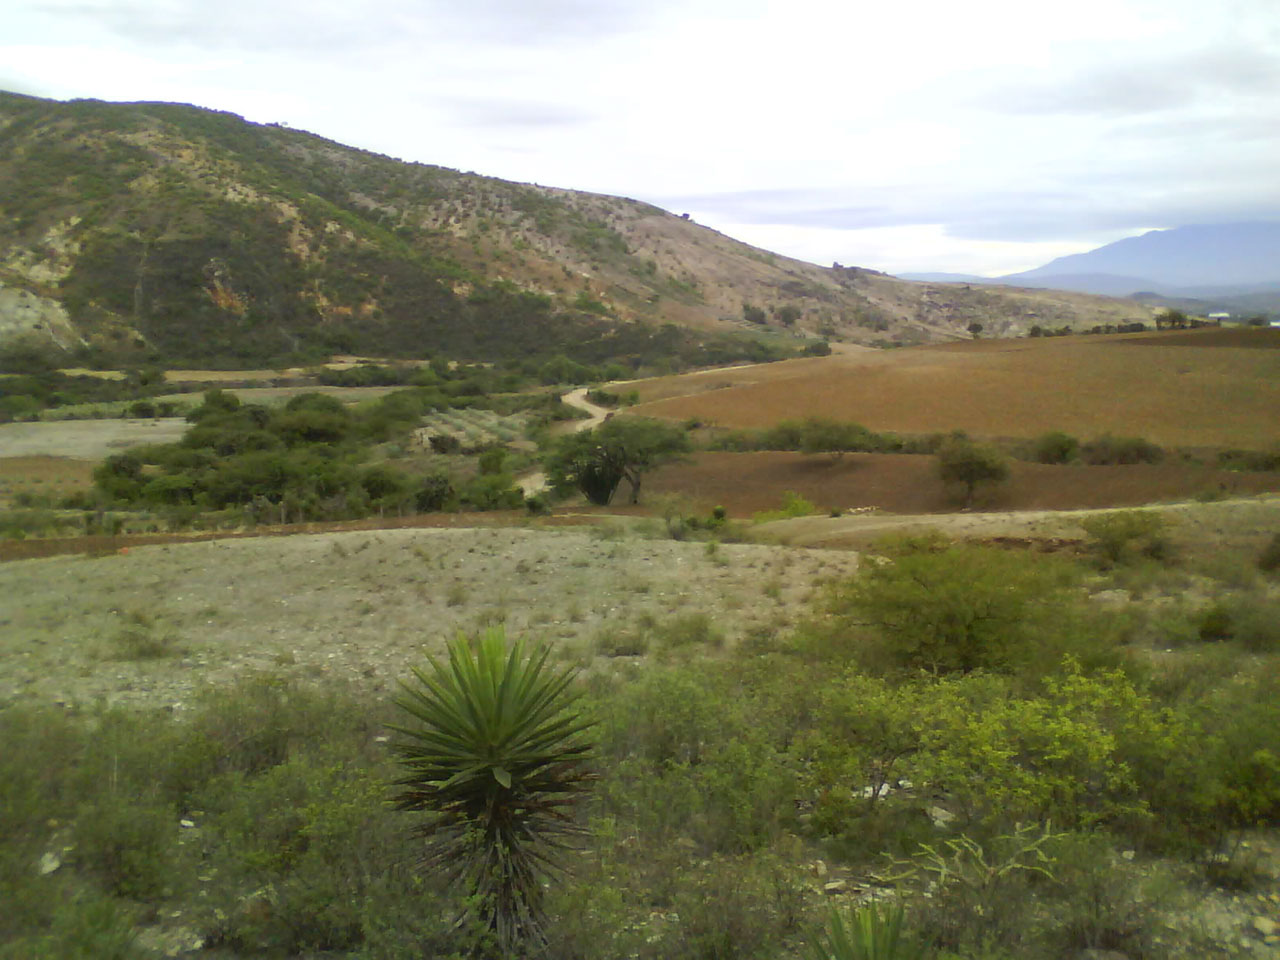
x=34 y=548
x=744 y=483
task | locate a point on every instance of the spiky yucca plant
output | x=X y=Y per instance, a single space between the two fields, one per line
x=496 y=757
x=869 y=934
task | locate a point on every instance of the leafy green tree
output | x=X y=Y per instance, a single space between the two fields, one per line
x=597 y=461
x=970 y=465
x=435 y=492
x=788 y=314
x=216 y=402
x=496 y=755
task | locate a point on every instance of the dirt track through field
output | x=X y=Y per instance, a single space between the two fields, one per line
x=535 y=482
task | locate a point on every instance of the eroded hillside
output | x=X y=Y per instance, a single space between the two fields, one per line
x=169 y=232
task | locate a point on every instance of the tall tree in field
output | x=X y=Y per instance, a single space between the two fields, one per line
x=970 y=465
x=624 y=448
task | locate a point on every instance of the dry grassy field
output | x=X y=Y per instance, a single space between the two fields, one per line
x=1203 y=388
x=56 y=476
x=85 y=439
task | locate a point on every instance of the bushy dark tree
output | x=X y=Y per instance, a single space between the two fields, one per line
x=970 y=465
x=1055 y=447
x=596 y=461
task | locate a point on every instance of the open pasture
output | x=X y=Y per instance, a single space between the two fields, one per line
x=1202 y=388
x=85 y=439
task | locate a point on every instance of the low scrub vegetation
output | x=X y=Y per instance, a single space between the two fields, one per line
x=955 y=726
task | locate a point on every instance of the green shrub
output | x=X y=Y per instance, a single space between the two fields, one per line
x=141 y=638
x=130 y=846
x=1055 y=447
x=297 y=851
x=88 y=926
x=968 y=465
x=793 y=505
x=1102 y=901
x=690 y=629
x=1216 y=623
x=1124 y=535
x=1269 y=558
x=984 y=893
x=622 y=643
x=495 y=491
x=1108 y=449
x=729 y=908
x=1255 y=622
x=958 y=608
x=869 y=933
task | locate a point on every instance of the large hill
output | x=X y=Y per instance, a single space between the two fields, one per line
x=171 y=233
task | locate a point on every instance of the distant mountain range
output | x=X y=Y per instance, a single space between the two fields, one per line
x=1229 y=265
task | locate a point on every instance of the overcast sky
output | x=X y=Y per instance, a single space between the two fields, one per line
x=983 y=137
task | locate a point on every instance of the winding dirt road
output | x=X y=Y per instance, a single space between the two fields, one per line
x=536 y=481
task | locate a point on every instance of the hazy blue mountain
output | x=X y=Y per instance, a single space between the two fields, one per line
x=1225 y=255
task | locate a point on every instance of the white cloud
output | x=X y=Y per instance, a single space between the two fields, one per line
x=996 y=133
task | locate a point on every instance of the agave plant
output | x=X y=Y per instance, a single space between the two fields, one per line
x=869 y=934
x=496 y=756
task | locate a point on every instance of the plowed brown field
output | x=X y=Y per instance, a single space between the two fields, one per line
x=1202 y=388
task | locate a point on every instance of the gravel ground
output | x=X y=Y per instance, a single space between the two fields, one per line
x=151 y=625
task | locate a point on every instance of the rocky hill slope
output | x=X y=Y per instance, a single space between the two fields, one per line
x=171 y=233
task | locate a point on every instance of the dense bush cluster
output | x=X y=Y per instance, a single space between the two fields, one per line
x=821 y=435
x=306 y=460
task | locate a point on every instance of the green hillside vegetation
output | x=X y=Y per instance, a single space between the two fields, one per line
x=192 y=236
x=198 y=239
x=1006 y=762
